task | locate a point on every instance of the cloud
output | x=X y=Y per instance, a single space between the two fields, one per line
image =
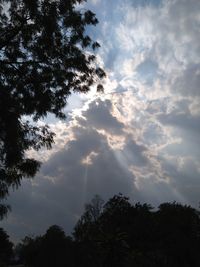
x=188 y=83
x=95 y=2
x=99 y=116
x=184 y=173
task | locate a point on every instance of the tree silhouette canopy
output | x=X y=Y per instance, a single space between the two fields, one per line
x=45 y=54
x=5 y=248
x=52 y=249
x=120 y=234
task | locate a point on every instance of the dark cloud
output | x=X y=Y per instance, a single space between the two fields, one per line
x=188 y=83
x=185 y=126
x=182 y=120
x=134 y=153
x=99 y=116
x=158 y=191
x=184 y=178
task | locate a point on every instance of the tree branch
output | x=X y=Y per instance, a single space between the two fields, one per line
x=5 y=62
x=13 y=34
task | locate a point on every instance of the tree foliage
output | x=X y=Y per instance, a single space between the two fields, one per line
x=5 y=248
x=121 y=234
x=52 y=249
x=45 y=54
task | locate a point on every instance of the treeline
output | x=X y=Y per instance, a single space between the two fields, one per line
x=117 y=234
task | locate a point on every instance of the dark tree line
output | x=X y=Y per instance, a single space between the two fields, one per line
x=6 y=248
x=45 y=55
x=120 y=234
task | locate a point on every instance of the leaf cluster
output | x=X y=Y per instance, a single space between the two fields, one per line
x=45 y=54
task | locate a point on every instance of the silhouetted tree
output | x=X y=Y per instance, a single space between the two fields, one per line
x=29 y=251
x=178 y=231
x=54 y=248
x=86 y=234
x=89 y=219
x=135 y=235
x=121 y=234
x=101 y=241
x=45 y=54
x=50 y=250
x=5 y=248
x=3 y=210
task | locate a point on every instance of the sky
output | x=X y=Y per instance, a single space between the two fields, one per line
x=141 y=137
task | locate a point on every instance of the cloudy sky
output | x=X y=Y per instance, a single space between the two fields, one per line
x=141 y=137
